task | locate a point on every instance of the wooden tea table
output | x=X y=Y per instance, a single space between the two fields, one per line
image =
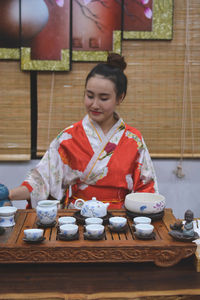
x=118 y=267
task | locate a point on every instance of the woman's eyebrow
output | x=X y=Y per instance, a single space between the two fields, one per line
x=101 y=94
x=104 y=94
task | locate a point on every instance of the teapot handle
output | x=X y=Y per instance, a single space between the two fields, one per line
x=79 y=203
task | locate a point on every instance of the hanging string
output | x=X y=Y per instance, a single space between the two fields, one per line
x=50 y=108
x=179 y=170
x=191 y=110
x=49 y=128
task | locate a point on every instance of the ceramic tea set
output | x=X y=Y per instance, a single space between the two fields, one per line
x=93 y=213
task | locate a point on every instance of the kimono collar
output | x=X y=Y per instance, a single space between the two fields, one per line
x=98 y=129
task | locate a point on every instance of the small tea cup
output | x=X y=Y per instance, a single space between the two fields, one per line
x=66 y=220
x=33 y=234
x=144 y=229
x=141 y=220
x=7 y=221
x=117 y=222
x=94 y=230
x=69 y=230
x=89 y=221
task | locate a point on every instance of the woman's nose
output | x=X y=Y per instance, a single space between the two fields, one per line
x=95 y=103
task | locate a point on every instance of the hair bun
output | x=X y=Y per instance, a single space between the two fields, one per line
x=116 y=61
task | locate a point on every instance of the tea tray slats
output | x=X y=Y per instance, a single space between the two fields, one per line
x=114 y=247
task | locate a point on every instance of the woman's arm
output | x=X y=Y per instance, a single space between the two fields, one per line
x=19 y=193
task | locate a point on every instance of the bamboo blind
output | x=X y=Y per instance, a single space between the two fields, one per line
x=163 y=92
x=14 y=112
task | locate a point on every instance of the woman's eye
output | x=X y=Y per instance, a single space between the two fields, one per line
x=90 y=96
x=104 y=99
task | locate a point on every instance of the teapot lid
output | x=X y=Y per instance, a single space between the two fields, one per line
x=94 y=199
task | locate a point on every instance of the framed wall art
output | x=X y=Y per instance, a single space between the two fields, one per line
x=45 y=37
x=154 y=19
x=96 y=29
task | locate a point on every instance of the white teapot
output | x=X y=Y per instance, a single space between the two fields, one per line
x=91 y=208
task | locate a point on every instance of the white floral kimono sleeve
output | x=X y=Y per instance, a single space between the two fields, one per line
x=147 y=168
x=47 y=178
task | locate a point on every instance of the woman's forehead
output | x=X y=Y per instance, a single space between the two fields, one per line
x=99 y=82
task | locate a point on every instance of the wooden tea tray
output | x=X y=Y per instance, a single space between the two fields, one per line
x=115 y=247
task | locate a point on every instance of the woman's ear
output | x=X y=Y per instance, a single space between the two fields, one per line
x=120 y=99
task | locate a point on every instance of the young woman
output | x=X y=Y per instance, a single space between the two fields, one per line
x=98 y=156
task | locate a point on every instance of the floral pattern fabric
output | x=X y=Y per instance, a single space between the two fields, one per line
x=94 y=165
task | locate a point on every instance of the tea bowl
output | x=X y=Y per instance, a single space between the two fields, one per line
x=141 y=220
x=145 y=203
x=144 y=229
x=66 y=220
x=33 y=234
x=89 y=221
x=7 y=221
x=69 y=230
x=94 y=230
x=117 y=222
x=6 y=211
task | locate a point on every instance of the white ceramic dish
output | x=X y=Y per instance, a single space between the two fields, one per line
x=145 y=203
x=144 y=229
x=66 y=220
x=141 y=220
x=33 y=234
x=117 y=222
x=94 y=230
x=7 y=211
x=89 y=221
x=69 y=229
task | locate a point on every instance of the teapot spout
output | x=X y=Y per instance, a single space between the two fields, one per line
x=106 y=204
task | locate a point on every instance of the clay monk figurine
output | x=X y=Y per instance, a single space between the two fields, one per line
x=188 y=230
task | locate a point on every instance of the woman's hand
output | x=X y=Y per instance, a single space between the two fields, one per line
x=4 y=196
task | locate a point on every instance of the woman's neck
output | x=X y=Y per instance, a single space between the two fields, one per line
x=106 y=127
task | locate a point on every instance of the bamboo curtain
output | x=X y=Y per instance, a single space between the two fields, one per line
x=163 y=90
x=15 y=112
x=162 y=101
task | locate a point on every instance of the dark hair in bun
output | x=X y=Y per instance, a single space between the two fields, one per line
x=112 y=70
x=116 y=61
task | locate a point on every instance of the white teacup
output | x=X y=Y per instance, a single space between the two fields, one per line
x=66 y=220
x=117 y=222
x=69 y=229
x=141 y=220
x=94 y=230
x=33 y=234
x=144 y=229
x=89 y=221
x=6 y=211
x=7 y=221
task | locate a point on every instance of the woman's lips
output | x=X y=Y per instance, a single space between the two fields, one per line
x=96 y=113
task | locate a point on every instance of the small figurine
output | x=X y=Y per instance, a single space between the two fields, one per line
x=188 y=230
x=184 y=231
x=177 y=225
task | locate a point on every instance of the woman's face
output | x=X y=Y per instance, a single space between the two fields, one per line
x=100 y=101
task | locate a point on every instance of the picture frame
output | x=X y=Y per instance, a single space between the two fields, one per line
x=162 y=27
